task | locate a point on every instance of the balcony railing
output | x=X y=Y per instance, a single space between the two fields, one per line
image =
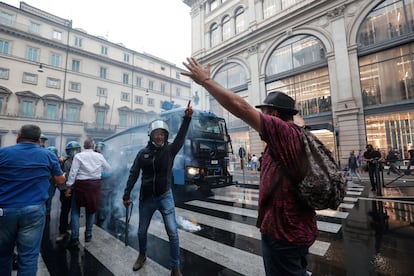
x=102 y=128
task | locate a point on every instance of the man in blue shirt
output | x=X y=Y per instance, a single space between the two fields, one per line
x=25 y=169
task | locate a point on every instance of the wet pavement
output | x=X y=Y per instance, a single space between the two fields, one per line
x=369 y=234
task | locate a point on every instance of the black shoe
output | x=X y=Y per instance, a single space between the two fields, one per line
x=373 y=189
x=139 y=262
x=74 y=243
x=88 y=238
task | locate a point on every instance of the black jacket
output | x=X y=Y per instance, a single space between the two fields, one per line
x=156 y=164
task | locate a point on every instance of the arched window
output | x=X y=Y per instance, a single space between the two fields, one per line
x=214 y=35
x=389 y=21
x=298 y=51
x=298 y=67
x=226 y=28
x=231 y=76
x=239 y=20
x=385 y=52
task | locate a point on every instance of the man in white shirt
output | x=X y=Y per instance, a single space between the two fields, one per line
x=85 y=182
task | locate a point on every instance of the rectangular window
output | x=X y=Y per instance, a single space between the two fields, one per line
x=55 y=60
x=73 y=113
x=162 y=88
x=100 y=118
x=104 y=50
x=177 y=75
x=29 y=78
x=138 y=100
x=75 y=65
x=178 y=92
x=78 y=42
x=126 y=57
x=51 y=112
x=53 y=83
x=27 y=109
x=139 y=81
x=4 y=73
x=34 y=27
x=6 y=19
x=57 y=35
x=74 y=86
x=151 y=85
x=102 y=92
x=125 y=96
x=51 y=141
x=4 y=47
x=123 y=119
x=33 y=54
x=150 y=102
x=213 y=4
x=125 y=78
x=102 y=73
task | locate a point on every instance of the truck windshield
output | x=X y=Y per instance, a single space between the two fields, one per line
x=208 y=125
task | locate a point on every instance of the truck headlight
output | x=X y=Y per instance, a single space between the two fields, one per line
x=192 y=171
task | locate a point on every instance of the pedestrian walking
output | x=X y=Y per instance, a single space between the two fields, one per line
x=352 y=166
x=85 y=182
x=360 y=161
x=25 y=169
x=155 y=161
x=288 y=226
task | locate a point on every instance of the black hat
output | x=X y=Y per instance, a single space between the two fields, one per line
x=280 y=101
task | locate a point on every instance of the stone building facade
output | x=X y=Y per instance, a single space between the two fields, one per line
x=348 y=65
x=75 y=85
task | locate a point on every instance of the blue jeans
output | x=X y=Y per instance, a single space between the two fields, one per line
x=165 y=204
x=283 y=259
x=75 y=219
x=23 y=228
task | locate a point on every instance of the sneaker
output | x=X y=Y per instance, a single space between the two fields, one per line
x=88 y=238
x=139 y=263
x=176 y=272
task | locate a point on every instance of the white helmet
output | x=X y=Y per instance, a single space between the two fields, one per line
x=158 y=124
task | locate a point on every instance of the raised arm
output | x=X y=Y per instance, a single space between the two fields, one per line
x=228 y=99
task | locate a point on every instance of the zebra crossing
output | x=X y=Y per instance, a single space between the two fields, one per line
x=231 y=210
x=234 y=202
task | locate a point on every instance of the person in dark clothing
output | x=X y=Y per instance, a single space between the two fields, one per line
x=392 y=157
x=71 y=149
x=411 y=162
x=372 y=157
x=156 y=162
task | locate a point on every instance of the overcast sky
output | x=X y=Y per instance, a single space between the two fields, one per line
x=159 y=27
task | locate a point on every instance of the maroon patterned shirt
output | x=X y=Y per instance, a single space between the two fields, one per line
x=281 y=213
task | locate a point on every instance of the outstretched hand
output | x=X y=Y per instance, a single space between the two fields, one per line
x=197 y=72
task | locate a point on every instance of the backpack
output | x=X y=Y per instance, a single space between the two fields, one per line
x=324 y=184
